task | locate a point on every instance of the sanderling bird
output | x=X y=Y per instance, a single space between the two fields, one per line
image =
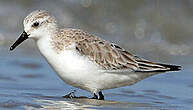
x=84 y=60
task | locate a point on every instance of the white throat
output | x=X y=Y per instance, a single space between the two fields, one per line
x=45 y=47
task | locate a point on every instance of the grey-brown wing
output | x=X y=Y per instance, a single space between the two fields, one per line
x=112 y=57
x=108 y=55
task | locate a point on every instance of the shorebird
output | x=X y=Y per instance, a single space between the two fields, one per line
x=84 y=60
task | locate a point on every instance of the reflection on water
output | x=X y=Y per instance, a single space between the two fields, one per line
x=87 y=104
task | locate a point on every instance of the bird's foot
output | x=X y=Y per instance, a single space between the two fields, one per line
x=101 y=96
x=94 y=97
x=70 y=95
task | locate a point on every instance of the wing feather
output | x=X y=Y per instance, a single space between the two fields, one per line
x=110 y=56
x=107 y=55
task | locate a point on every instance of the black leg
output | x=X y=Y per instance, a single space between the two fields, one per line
x=70 y=95
x=101 y=96
x=95 y=96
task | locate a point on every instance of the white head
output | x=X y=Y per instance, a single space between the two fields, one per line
x=37 y=25
x=39 y=22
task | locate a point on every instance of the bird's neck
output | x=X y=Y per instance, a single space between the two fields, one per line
x=44 y=42
x=45 y=46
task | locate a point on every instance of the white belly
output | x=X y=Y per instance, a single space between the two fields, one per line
x=80 y=72
x=74 y=69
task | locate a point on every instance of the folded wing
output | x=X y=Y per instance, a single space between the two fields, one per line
x=110 y=56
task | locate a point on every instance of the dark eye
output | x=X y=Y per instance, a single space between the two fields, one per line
x=36 y=24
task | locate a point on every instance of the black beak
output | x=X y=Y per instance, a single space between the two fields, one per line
x=22 y=37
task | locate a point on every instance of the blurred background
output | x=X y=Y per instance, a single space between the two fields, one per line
x=158 y=30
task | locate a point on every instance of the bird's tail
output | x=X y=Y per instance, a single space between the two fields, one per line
x=172 y=67
x=147 y=66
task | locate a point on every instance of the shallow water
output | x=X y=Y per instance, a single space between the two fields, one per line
x=28 y=82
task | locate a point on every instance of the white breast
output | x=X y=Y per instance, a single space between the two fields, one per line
x=70 y=66
x=80 y=72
